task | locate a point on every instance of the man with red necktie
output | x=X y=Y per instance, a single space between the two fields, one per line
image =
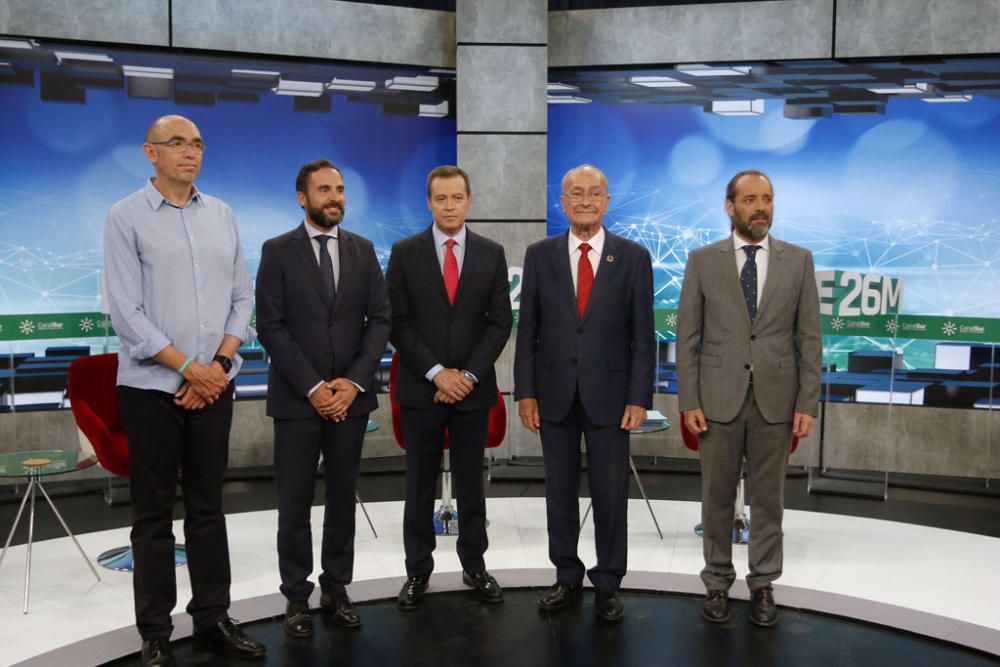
x=584 y=366
x=451 y=318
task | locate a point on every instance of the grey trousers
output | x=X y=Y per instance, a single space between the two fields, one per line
x=722 y=448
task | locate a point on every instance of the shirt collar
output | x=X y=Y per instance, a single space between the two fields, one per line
x=440 y=238
x=313 y=232
x=596 y=242
x=765 y=243
x=156 y=200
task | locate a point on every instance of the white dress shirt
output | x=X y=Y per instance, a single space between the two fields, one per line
x=594 y=256
x=331 y=246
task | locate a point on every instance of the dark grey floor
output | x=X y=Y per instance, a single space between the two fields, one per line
x=452 y=629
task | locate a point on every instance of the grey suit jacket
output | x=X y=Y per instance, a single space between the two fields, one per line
x=717 y=345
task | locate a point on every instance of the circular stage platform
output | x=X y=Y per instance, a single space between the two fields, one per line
x=452 y=628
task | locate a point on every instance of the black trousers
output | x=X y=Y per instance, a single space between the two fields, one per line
x=297 y=446
x=423 y=433
x=163 y=439
x=607 y=474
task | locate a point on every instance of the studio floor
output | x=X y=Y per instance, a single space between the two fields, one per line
x=855 y=589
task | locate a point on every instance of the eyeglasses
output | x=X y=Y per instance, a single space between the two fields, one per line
x=577 y=197
x=178 y=145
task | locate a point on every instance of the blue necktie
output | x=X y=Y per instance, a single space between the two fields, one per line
x=748 y=280
x=326 y=266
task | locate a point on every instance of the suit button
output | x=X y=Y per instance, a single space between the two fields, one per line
x=746 y=366
x=573 y=361
x=580 y=330
x=753 y=338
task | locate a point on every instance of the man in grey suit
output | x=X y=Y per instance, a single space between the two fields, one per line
x=748 y=372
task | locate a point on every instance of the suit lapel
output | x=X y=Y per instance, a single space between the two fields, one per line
x=775 y=268
x=606 y=267
x=304 y=248
x=472 y=248
x=347 y=254
x=428 y=264
x=726 y=268
x=563 y=273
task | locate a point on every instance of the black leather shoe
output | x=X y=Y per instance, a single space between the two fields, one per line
x=715 y=608
x=156 y=653
x=560 y=595
x=342 y=609
x=412 y=593
x=607 y=605
x=763 y=611
x=484 y=586
x=298 y=620
x=226 y=639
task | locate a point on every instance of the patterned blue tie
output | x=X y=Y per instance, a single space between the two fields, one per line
x=748 y=280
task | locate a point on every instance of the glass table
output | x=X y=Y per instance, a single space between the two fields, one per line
x=33 y=466
x=655 y=423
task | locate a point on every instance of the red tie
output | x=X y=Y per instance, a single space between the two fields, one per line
x=450 y=271
x=584 y=278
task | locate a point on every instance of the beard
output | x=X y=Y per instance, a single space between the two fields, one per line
x=321 y=218
x=753 y=228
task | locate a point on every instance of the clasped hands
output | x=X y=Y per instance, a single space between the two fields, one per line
x=332 y=399
x=452 y=386
x=203 y=384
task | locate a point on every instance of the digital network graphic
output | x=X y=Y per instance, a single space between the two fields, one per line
x=880 y=168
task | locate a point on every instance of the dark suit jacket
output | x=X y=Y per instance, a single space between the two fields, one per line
x=717 y=344
x=427 y=330
x=308 y=338
x=608 y=353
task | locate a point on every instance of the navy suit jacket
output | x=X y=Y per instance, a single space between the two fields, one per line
x=310 y=339
x=608 y=354
x=427 y=330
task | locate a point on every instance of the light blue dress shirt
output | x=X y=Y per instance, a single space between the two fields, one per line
x=175 y=275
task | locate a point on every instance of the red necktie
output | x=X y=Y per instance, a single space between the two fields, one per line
x=584 y=278
x=450 y=271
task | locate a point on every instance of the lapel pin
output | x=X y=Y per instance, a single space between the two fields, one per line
x=610 y=258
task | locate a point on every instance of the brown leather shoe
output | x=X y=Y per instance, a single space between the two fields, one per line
x=715 y=607
x=763 y=611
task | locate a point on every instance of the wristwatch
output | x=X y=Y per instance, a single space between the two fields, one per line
x=225 y=362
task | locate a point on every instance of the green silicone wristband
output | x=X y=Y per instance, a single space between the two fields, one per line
x=180 y=371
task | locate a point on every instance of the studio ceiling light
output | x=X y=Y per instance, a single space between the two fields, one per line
x=148 y=72
x=299 y=88
x=421 y=84
x=708 y=70
x=659 y=82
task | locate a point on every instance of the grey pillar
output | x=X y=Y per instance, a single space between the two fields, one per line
x=502 y=63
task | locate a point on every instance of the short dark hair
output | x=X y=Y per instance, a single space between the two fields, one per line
x=731 y=187
x=310 y=168
x=448 y=171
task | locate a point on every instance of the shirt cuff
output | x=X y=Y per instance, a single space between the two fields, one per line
x=432 y=373
x=361 y=389
x=313 y=390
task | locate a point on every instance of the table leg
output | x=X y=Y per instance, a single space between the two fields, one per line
x=31 y=537
x=642 y=490
x=68 y=531
x=17 y=521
